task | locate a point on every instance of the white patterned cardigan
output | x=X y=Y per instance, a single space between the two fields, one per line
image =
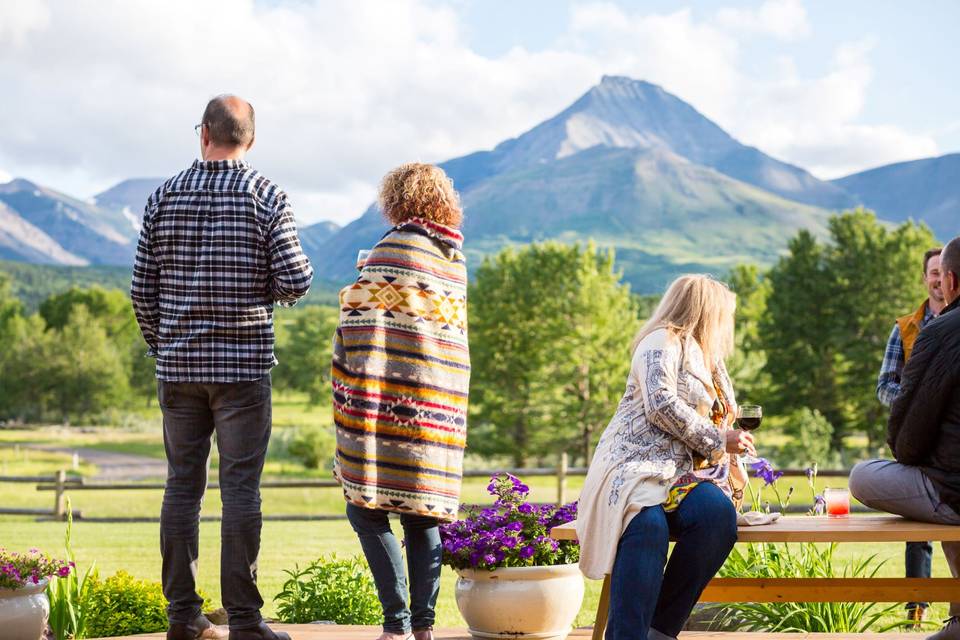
x=661 y=423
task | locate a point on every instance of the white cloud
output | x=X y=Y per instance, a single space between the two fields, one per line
x=5 y=177
x=691 y=59
x=345 y=90
x=18 y=19
x=812 y=122
x=784 y=19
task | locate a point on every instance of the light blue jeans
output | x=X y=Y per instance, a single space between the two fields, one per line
x=382 y=550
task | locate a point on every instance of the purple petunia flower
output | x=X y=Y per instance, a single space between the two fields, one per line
x=512 y=532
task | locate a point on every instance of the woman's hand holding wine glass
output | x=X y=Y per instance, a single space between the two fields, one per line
x=749 y=417
x=739 y=441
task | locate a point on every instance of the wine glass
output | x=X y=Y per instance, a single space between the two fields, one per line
x=750 y=417
x=362 y=256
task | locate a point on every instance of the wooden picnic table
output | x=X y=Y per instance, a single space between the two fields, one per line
x=881 y=528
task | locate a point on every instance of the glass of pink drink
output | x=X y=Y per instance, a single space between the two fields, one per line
x=838 y=502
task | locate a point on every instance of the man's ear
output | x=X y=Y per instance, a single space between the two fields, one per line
x=252 y=140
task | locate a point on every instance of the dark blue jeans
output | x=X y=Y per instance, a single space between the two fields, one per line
x=642 y=594
x=918 y=560
x=424 y=553
x=240 y=414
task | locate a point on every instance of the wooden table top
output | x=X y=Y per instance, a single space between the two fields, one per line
x=879 y=528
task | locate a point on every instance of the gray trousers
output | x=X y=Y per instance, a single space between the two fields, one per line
x=896 y=488
x=240 y=414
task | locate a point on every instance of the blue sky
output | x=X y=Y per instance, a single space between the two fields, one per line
x=345 y=90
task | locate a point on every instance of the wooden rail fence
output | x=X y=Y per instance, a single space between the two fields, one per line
x=60 y=484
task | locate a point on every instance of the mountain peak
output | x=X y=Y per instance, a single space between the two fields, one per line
x=621 y=83
x=622 y=112
x=18 y=184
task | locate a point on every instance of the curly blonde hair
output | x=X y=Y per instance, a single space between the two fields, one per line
x=418 y=190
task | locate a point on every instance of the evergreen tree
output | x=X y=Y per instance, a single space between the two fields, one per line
x=829 y=313
x=877 y=277
x=747 y=364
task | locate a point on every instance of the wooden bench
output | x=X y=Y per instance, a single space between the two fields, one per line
x=818 y=529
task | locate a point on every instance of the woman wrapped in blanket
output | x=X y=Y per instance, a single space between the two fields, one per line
x=401 y=372
x=663 y=467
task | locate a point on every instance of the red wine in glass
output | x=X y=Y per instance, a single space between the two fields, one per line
x=750 y=417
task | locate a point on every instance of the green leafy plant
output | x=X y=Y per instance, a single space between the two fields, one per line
x=122 y=605
x=805 y=560
x=68 y=616
x=811 y=436
x=312 y=446
x=329 y=588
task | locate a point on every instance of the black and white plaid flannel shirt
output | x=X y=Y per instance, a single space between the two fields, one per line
x=218 y=247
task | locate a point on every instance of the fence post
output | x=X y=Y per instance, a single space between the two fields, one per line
x=562 y=479
x=58 y=511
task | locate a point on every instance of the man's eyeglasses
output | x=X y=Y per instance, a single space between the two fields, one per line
x=198 y=128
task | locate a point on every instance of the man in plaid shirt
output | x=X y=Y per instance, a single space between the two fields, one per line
x=218 y=248
x=919 y=555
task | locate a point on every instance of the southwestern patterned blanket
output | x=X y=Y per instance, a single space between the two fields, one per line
x=401 y=373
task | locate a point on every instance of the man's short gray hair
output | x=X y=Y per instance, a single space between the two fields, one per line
x=229 y=126
x=950 y=257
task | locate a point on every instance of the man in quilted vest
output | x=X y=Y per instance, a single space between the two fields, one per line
x=919 y=555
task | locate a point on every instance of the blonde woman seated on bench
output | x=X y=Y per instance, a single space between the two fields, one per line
x=663 y=467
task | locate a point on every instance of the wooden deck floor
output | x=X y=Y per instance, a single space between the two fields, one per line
x=337 y=632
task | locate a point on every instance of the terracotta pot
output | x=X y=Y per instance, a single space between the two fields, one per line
x=520 y=602
x=24 y=612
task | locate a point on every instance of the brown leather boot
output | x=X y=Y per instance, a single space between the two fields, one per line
x=260 y=632
x=423 y=634
x=916 y=614
x=198 y=629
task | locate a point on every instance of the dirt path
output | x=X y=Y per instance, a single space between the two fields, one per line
x=114 y=466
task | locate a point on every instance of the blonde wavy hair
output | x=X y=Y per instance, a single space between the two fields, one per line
x=418 y=190
x=700 y=307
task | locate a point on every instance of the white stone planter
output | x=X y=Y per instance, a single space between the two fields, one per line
x=520 y=602
x=24 y=612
